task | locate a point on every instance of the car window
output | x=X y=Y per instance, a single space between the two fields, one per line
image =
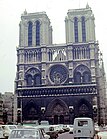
x=15 y=134
x=82 y=123
x=23 y=133
x=29 y=132
x=12 y=127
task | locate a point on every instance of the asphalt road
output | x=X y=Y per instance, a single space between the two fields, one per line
x=66 y=135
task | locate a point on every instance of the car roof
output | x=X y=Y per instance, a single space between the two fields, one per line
x=83 y=118
x=8 y=125
x=102 y=132
x=26 y=129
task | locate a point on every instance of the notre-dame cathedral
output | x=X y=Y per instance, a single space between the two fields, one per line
x=58 y=82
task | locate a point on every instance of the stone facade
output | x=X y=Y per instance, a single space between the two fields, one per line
x=1 y=109
x=8 y=106
x=58 y=82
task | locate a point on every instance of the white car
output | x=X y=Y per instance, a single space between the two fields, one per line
x=26 y=133
x=44 y=133
x=97 y=128
x=1 y=133
x=41 y=128
x=7 y=129
x=101 y=135
x=71 y=129
x=44 y=123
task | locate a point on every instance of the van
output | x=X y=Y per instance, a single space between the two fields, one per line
x=83 y=128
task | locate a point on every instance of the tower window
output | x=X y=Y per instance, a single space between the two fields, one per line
x=37 y=33
x=82 y=74
x=77 y=77
x=29 y=33
x=37 y=80
x=76 y=28
x=83 y=29
x=86 y=77
x=29 y=80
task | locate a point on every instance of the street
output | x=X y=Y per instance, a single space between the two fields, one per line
x=65 y=135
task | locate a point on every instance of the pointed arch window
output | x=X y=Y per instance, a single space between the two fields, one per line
x=50 y=55
x=82 y=74
x=86 y=77
x=37 y=33
x=37 y=80
x=77 y=77
x=29 y=33
x=76 y=28
x=29 y=80
x=30 y=111
x=83 y=29
x=83 y=109
x=33 y=77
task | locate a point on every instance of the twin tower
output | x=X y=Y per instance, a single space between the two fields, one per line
x=36 y=29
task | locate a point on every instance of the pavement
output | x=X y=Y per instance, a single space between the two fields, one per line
x=66 y=135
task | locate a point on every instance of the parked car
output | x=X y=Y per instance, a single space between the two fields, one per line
x=71 y=129
x=97 y=128
x=44 y=128
x=83 y=128
x=101 y=135
x=31 y=123
x=44 y=133
x=44 y=122
x=60 y=128
x=66 y=128
x=27 y=133
x=7 y=129
x=1 y=133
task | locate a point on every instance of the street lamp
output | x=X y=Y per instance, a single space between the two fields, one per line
x=19 y=116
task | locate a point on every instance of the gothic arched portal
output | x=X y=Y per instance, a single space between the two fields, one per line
x=82 y=74
x=58 y=109
x=30 y=111
x=84 y=108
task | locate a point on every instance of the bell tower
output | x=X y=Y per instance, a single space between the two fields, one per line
x=34 y=30
x=79 y=25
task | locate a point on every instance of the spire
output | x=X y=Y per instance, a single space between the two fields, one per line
x=25 y=12
x=87 y=6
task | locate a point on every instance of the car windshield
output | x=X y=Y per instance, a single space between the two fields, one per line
x=12 y=127
x=82 y=123
x=23 y=133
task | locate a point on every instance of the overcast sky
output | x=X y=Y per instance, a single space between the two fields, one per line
x=10 y=13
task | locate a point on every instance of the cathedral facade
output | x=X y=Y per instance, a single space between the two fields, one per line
x=58 y=82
